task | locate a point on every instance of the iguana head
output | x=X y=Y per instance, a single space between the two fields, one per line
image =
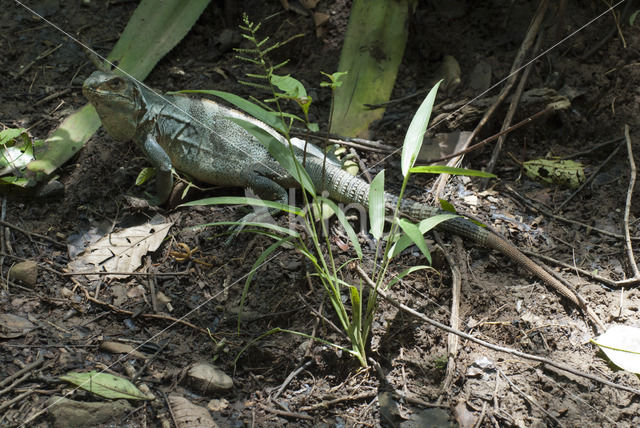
x=117 y=101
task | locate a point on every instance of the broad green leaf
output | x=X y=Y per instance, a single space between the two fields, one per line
x=15 y=152
x=415 y=134
x=9 y=134
x=447 y=206
x=411 y=230
x=240 y=200
x=16 y=181
x=429 y=223
x=65 y=142
x=353 y=237
x=376 y=205
x=289 y=85
x=280 y=152
x=268 y=117
x=105 y=385
x=152 y=31
x=261 y=224
x=372 y=52
x=441 y=169
x=621 y=343
x=424 y=226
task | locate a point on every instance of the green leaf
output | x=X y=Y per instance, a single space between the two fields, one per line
x=335 y=79
x=621 y=344
x=372 y=53
x=280 y=152
x=415 y=134
x=152 y=31
x=633 y=17
x=404 y=273
x=264 y=225
x=240 y=200
x=16 y=181
x=9 y=134
x=15 y=153
x=145 y=175
x=429 y=223
x=356 y=314
x=353 y=237
x=424 y=226
x=64 y=143
x=105 y=385
x=270 y=118
x=447 y=206
x=376 y=205
x=290 y=86
x=411 y=230
x=441 y=169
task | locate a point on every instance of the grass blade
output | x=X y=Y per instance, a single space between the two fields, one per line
x=415 y=134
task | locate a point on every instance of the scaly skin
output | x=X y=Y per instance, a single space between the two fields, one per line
x=196 y=137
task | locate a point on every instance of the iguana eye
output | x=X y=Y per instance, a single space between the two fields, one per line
x=116 y=84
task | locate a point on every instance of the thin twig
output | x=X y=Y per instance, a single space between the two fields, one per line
x=547 y=109
x=594 y=148
x=285 y=413
x=156 y=316
x=38 y=58
x=515 y=99
x=289 y=378
x=481 y=342
x=30 y=234
x=528 y=398
x=326 y=404
x=627 y=207
x=548 y=213
x=452 y=340
x=22 y=371
x=126 y=273
x=441 y=182
x=358 y=143
x=589 y=179
x=576 y=269
x=3 y=249
x=16 y=399
x=52 y=96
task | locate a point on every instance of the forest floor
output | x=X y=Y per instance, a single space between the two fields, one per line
x=61 y=323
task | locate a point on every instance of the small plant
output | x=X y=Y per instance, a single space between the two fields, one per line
x=355 y=318
x=16 y=151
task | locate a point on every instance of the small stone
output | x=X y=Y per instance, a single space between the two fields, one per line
x=78 y=414
x=25 y=272
x=217 y=404
x=207 y=379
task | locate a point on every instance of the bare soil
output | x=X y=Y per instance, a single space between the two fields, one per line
x=500 y=303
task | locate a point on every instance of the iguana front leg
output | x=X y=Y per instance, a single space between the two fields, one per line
x=162 y=163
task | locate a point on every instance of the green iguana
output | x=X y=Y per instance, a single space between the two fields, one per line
x=197 y=137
